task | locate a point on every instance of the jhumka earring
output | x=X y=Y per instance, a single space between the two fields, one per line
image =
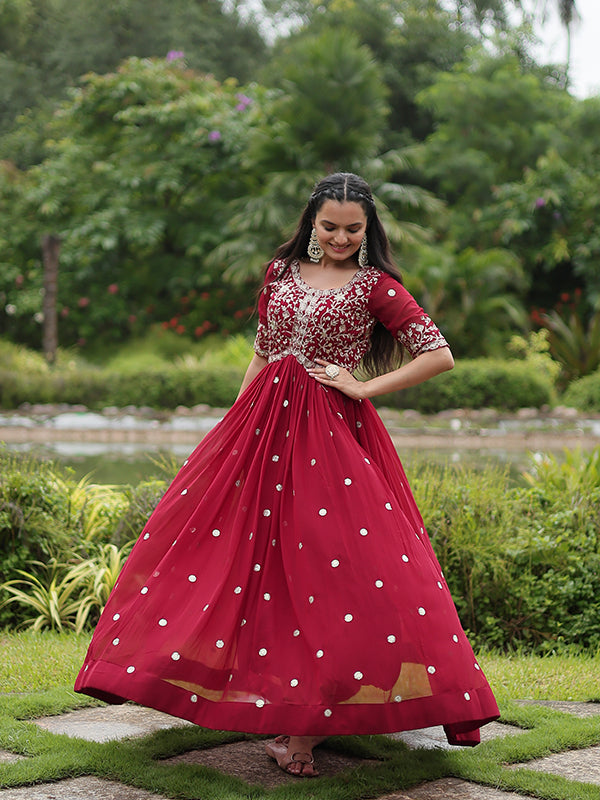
x=363 y=256
x=315 y=251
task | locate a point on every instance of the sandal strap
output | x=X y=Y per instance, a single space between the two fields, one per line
x=300 y=760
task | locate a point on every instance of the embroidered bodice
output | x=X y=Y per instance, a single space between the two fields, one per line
x=336 y=324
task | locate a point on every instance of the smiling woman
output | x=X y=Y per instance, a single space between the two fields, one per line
x=285 y=583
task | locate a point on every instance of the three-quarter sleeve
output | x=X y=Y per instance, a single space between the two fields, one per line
x=396 y=308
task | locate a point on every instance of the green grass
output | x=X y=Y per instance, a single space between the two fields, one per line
x=39 y=670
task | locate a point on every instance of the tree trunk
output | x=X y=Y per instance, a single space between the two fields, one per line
x=50 y=254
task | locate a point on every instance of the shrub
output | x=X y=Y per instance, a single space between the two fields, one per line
x=477 y=383
x=584 y=393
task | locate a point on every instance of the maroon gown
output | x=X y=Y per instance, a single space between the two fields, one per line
x=285 y=582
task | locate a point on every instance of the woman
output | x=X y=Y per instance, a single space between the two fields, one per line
x=285 y=581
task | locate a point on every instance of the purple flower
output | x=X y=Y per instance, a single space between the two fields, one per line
x=174 y=55
x=243 y=102
x=214 y=136
x=540 y=202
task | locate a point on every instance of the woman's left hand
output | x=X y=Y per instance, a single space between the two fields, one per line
x=344 y=381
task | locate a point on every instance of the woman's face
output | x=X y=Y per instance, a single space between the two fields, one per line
x=340 y=228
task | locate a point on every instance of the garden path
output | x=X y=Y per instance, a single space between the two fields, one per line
x=246 y=760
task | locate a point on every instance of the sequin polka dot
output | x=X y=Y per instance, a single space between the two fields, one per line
x=267 y=512
x=266 y=596
x=220 y=644
x=300 y=545
x=175 y=656
x=262 y=652
x=296 y=632
x=405 y=558
x=194 y=698
x=206 y=607
x=363 y=531
x=163 y=622
x=237 y=590
x=322 y=512
x=359 y=424
x=467 y=696
x=398 y=699
x=348 y=481
x=238 y=483
x=477 y=667
x=242 y=623
x=379 y=584
x=279 y=487
x=116 y=617
x=328 y=712
x=294 y=682
x=186 y=462
x=192 y=578
x=250 y=535
x=348 y=618
x=257 y=431
x=146 y=536
x=431 y=670
x=286 y=403
x=216 y=533
x=440 y=585
x=422 y=611
x=275 y=458
x=388 y=506
x=144 y=590
x=260 y=703
x=131 y=670
x=391 y=638
x=313 y=461
x=276 y=379
x=358 y=675
x=311 y=599
x=115 y=642
x=455 y=638
x=320 y=653
x=335 y=563
x=367 y=461
x=273 y=542
x=257 y=568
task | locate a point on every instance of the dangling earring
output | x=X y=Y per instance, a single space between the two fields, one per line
x=363 y=256
x=315 y=251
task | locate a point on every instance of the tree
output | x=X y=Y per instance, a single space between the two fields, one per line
x=141 y=164
x=47 y=45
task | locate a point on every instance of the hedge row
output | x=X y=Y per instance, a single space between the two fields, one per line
x=522 y=562
x=471 y=384
x=584 y=393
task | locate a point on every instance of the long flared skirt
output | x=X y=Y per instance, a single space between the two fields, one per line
x=286 y=583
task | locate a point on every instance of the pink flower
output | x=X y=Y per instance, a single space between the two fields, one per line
x=175 y=55
x=83 y=302
x=540 y=202
x=113 y=288
x=214 y=136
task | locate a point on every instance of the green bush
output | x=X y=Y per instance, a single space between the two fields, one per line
x=584 y=393
x=477 y=383
x=522 y=563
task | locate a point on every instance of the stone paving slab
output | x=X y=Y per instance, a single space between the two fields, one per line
x=110 y=722
x=577 y=765
x=9 y=758
x=435 y=738
x=577 y=709
x=248 y=761
x=86 y=788
x=453 y=789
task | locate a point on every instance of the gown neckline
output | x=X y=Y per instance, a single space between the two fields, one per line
x=295 y=267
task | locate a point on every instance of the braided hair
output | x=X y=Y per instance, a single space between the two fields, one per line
x=385 y=352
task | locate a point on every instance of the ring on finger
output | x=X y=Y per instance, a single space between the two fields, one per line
x=332 y=371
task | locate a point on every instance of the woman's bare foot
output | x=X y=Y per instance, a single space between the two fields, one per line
x=294 y=755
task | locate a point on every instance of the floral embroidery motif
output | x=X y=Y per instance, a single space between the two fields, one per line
x=336 y=324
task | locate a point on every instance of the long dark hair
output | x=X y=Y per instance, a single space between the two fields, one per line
x=385 y=352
